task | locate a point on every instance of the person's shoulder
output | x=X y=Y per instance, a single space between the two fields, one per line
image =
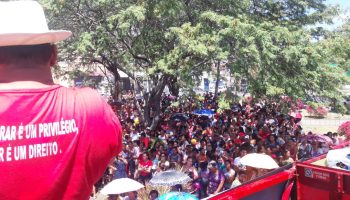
x=84 y=93
x=76 y=89
x=87 y=96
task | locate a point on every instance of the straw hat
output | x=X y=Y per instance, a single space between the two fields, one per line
x=24 y=23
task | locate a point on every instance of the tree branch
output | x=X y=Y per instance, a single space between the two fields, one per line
x=112 y=67
x=139 y=57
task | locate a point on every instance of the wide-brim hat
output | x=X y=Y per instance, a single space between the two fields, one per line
x=24 y=23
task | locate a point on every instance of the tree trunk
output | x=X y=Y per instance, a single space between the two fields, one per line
x=152 y=104
x=147 y=109
x=217 y=79
x=136 y=103
x=238 y=86
x=117 y=91
x=117 y=86
x=173 y=87
x=157 y=111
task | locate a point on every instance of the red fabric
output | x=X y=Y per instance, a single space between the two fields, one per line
x=145 y=164
x=145 y=141
x=341 y=145
x=287 y=191
x=249 y=189
x=84 y=135
x=238 y=141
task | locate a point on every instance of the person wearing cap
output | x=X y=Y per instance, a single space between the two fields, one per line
x=59 y=140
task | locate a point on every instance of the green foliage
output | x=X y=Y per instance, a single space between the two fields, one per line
x=174 y=42
x=223 y=103
x=314 y=105
x=175 y=104
x=274 y=91
x=340 y=108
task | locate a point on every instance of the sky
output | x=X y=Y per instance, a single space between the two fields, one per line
x=342 y=3
x=345 y=13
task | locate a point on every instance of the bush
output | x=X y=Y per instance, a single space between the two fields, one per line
x=344 y=129
x=316 y=110
x=321 y=111
x=340 y=108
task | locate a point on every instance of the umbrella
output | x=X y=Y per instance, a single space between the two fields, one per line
x=170 y=178
x=257 y=160
x=318 y=138
x=177 y=196
x=338 y=155
x=179 y=117
x=205 y=112
x=120 y=186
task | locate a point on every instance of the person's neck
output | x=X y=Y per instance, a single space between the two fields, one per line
x=25 y=77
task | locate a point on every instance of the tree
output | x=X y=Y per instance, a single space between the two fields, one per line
x=337 y=58
x=132 y=36
x=173 y=42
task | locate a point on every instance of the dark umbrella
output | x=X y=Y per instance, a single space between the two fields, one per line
x=179 y=117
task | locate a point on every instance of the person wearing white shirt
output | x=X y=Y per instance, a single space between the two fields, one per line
x=237 y=161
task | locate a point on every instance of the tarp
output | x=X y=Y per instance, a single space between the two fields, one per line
x=204 y=112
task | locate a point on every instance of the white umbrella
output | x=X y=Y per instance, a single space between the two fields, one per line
x=120 y=186
x=338 y=155
x=257 y=160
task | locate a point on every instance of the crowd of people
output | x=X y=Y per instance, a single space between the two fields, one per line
x=209 y=147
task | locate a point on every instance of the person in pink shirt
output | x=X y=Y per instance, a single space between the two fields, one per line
x=55 y=142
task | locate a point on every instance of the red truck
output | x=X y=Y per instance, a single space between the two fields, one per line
x=303 y=180
x=317 y=181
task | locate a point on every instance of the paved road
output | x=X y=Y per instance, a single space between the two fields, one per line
x=323 y=122
x=322 y=125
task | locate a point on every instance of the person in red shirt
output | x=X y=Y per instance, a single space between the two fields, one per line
x=264 y=132
x=144 y=168
x=55 y=142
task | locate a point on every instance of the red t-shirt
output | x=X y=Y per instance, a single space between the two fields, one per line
x=55 y=143
x=145 y=164
x=264 y=134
